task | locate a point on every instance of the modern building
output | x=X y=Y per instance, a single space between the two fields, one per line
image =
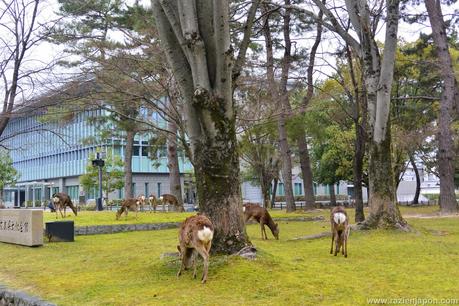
x=52 y=156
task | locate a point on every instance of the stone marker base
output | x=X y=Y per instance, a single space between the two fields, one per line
x=21 y=226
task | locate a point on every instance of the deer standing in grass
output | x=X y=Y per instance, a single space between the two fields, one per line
x=340 y=230
x=261 y=215
x=195 y=237
x=62 y=200
x=142 y=201
x=152 y=202
x=170 y=199
x=126 y=205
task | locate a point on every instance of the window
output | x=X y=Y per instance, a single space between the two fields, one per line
x=298 y=189
x=146 y=189
x=280 y=189
x=144 y=151
x=133 y=189
x=73 y=192
x=136 y=151
x=159 y=189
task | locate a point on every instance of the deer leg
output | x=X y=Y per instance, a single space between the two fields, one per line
x=193 y=259
x=345 y=241
x=333 y=240
x=60 y=210
x=205 y=256
x=336 y=244
x=182 y=265
x=262 y=227
x=65 y=213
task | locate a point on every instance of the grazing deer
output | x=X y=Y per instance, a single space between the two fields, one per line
x=62 y=200
x=141 y=201
x=261 y=215
x=152 y=202
x=195 y=237
x=340 y=230
x=170 y=199
x=128 y=204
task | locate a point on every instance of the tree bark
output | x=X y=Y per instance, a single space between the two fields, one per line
x=128 y=192
x=306 y=171
x=273 y=196
x=331 y=188
x=173 y=164
x=418 y=181
x=195 y=37
x=448 y=203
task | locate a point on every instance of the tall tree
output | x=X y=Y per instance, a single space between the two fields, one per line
x=278 y=92
x=378 y=76
x=450 y=94
x=196 y=40
x=20 y=34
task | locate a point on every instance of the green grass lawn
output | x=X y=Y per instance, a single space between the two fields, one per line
x=126 y=269
x=86 y=218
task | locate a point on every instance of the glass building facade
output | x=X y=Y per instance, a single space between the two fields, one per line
x=58 y=153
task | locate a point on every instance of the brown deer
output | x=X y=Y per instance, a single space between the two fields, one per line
x=170 y=199
x=261 y=215
x=126 y=205
x=142 y=201
x=340 y=230
x=152 y=202
x=62 y=200
x=195 y=237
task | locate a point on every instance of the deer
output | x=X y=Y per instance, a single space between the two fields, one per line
x=128 y=204
x=141 y=201
x=261 y=215
x=152 y=202
x=170 y=199
x=340 y=230
x=195 y=237
x=62 y=200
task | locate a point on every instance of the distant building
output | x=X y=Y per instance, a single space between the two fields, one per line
x=430 y=184
x=51 y=157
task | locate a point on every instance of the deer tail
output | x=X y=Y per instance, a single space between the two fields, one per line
x=206 y=234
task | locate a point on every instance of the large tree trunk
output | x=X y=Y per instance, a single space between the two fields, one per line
x=331 y=188
x=448 y=203
x=128 y=192
x=384 y=211
x=195 y=37
x=173 y=164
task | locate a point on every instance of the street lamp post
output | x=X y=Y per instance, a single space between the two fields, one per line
x=100 y=163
